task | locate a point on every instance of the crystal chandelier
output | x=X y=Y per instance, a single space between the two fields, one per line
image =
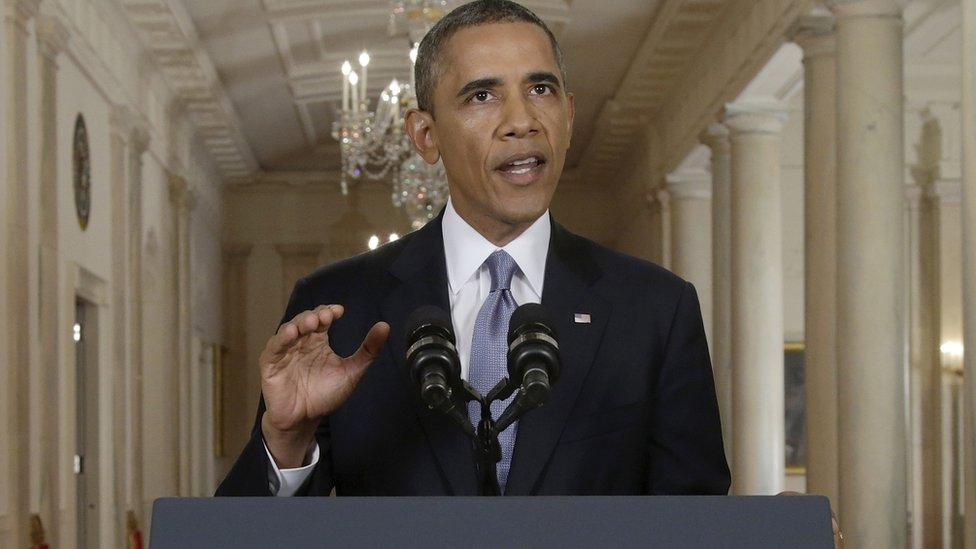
x=417 y=16
x=372 y=139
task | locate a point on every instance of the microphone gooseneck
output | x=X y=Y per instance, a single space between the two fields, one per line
x=533 y=366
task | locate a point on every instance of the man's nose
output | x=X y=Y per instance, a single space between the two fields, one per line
x=519 y=119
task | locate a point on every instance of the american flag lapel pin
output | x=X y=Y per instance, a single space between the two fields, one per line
x=581 y=318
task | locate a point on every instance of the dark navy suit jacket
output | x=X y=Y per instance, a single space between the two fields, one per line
x=633 y=412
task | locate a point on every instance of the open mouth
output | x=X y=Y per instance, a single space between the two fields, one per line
x=522 y=168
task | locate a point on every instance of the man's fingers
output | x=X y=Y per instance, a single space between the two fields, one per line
x=326 y=315
x=304 y=323
x=279 y=343
x=287 y=332
x=337 y=311
x=307 y=322
x=319 y=319
x=372 y=343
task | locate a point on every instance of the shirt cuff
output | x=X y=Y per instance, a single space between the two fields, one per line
x=285 y=482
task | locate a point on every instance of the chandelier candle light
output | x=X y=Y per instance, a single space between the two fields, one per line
x=373 y=142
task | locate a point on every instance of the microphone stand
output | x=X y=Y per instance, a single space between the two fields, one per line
x=488 y=451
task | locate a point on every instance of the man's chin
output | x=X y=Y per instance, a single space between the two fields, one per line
x=523 y=214
x=524 y=204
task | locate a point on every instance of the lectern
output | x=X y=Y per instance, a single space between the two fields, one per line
x=595 y=521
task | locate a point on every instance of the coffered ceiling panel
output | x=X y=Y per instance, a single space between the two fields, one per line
x=279 y=63
x=260 y=78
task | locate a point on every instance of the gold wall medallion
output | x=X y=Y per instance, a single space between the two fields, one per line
x=81 y=164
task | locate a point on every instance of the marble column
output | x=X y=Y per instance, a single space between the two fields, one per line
x=757 y=298
x=181 y=197
x=138 y=145
x=925 y=370
x=816 y=36
x=919 y=335
x=690 y=190
x=870 y=280
x=716 y=138
x=969 y=260
x=52 y=38
x=127 y=142
x=119 y=120
x=930 y=214
x=14 y=333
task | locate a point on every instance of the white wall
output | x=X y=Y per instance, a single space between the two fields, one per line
x=103 y=69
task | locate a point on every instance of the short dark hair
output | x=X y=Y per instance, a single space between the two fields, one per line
x=479 y=12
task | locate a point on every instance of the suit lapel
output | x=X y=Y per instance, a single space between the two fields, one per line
x=570 y=271
x=421 y=269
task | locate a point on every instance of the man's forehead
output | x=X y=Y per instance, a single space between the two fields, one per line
x=516 y=46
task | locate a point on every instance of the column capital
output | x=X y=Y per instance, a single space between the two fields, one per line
x=866 y=8
x=130 y=126
x=52 y=35
x=181 y=192
x=815 y=34
x=944 y=191
x=690 y=184
x=139 y=140
x=765 y=116
x=658 y=195
x=716 y=138
x=662 y=195
x=649 y=198
x=121 y=121
x=20 y=11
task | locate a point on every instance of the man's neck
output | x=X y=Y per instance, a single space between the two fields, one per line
x=494 y=231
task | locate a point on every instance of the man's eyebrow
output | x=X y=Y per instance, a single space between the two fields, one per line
x=479 y=84
x=543 y=76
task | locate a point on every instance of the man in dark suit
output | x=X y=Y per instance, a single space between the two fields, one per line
x=634 y=410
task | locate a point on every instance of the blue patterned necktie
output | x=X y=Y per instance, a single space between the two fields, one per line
x=489 y=351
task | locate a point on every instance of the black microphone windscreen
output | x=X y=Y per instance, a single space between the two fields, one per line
x=429 y=316
x=529 y=314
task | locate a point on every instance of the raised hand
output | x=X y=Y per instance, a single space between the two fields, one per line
x=303 y=380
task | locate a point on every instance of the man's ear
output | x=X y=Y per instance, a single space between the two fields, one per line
x=420 y=127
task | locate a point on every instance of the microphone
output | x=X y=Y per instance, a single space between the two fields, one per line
x=432 y=358
x=533 y=360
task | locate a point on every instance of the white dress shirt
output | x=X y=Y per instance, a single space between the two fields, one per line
x=469 y=283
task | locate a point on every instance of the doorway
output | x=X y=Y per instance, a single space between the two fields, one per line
x=86 y=422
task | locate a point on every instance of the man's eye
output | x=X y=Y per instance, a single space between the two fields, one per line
x=480 y=97
x=542 y=89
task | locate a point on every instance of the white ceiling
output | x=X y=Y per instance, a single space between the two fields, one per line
x=278 y=62
x=261 y=79
x=932 y=53
x=932 y=44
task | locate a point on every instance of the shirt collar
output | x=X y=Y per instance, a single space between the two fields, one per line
x=466 y=249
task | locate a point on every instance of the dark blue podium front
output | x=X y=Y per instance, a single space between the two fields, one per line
x=641 y=521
